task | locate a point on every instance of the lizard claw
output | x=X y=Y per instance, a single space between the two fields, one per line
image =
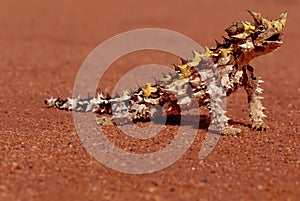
x=259 y=126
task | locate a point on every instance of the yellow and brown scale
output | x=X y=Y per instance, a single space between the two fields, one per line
x=227 y=64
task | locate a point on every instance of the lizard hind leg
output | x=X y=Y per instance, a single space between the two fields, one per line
x=219 y=119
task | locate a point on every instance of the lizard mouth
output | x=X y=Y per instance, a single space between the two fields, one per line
x=274 y=38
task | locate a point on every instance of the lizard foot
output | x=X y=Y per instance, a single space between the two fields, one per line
x=104 y=121
x=230 y=130
x=259 y=126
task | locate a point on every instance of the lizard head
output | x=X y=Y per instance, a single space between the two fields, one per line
x=268 y=33
x=258 y=38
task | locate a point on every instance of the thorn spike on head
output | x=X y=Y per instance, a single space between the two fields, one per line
x=283 y=15
x=256 y=16
x=282 y=18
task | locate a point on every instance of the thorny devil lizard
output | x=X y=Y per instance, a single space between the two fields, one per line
x=230 y=59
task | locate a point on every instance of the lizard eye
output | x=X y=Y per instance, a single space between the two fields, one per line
x=261 y=28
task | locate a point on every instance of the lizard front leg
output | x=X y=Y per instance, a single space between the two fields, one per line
x=254 y=100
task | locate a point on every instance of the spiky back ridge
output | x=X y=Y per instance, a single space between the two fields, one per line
x=172 y=92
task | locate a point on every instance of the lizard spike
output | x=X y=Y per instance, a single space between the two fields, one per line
x=155 y=80
x=226 y=40
x=218 y=44
x=138 y=86
x=209 y=52
x=176 y=68
x=197 y=56
x=260 y=81
x=126 y=94
x=101 y=95
x=117 y=95
x=183 y=61
x=163 y=76
x=258 y=18
x=259 y=90
x=89 y=96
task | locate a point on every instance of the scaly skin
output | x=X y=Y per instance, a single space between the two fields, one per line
x=198 y=78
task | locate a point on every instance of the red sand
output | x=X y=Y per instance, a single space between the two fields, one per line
x=41 y=156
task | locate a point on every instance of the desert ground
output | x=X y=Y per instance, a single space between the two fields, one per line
x=44 y=43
